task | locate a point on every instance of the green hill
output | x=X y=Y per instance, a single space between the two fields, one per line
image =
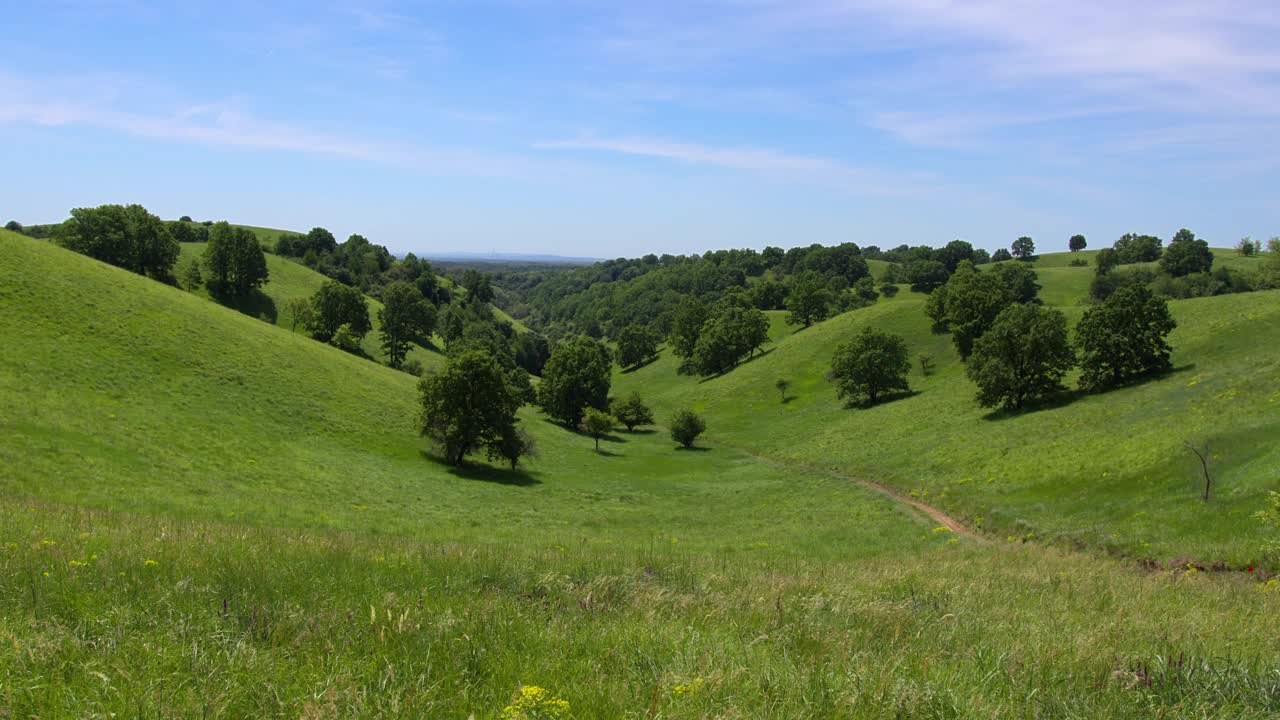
x=202 y=514
x=1105 y=470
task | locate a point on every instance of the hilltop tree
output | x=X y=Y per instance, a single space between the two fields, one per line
x=1133 y=248
x=124 y=236
x=1124 y=338
x=335 y=305
x=1186 y=255
x=1001 y=255
x=686 y=426
x=13 y=226
x=809 y=300
x=1023 y=356
x=575 y=378
x=234 y=260
x=1077 y=243
x=872 y=364
x=637 y=344
x=1106 y=261
x=631 y=412
x=468 y=406
x=598 y=424
x=1024 y=248
x=406 y=317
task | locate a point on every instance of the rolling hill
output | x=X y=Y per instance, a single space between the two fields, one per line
x=206 y=514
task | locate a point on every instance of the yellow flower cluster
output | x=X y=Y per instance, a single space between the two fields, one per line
x=688 y=689
x=1272 y=585
x=535 y=703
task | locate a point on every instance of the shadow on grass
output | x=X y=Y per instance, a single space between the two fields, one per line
x=693 y=448
x=608 y=453
x=642 y=364
x=751 y=359
x=485 y=473
x=787 y=400
x=256 y=304
x=1069 y=396
x=883 y=400
x=580 y=433
x=642 y=431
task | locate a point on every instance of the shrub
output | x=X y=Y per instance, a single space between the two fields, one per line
x=686 y=426
x=888 y=289
x=597 y=424
x=631 y=412
x=413 y=367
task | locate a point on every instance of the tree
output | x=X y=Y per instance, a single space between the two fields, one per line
x=512 y=446
x=926 y=275
x=734 y=332
x=783 y=385
x=686 y=426
x=575 y=378
x=185 y=219
x=191 y=277
x=1133 y=248
x=1107 y=260
x=406 y=318
x=888 y=289
x=1186 y=255
x=1024 y=248
x=1001 y=255
x=531 y=351
x=477 y=285
x=872 y=364
x=13 y=226
x=124 y=236
x=631 y=412
x=1077 y=243
x=686 y=324
x=972 y=301
x=926 y=363
x=300 y=312
x=1246 y=247
x=1020 y=280
x=809 y=300
x=335 y=305
x=1124 y=338
x=1023 y=356
x=234 y=260
x=598 y=424
x=467 y=406
x=319 y=240
x=636 y=345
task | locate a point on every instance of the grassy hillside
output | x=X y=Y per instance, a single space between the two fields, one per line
x=289 y=280
x=204 y=515
x=1105 y=470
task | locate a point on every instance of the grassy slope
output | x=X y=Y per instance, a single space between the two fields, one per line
x=192 y=501
x=289 y=280
x=1107 y=470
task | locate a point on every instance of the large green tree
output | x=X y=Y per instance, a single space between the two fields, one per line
x=1186 y=254
x=1024 y=248
x=1023 y=356
x=636 y=344
x=1077 y=243
x=1124 y=338
x=406 y=317
x=809 y=300
x=233 y=260
x=735 y=331
x=575 y=378
x=1134 y=248
x=468 y=406
x=873 y=363
x=335 y=305
x=972 y=301
x=686 y=323
x=124 y=236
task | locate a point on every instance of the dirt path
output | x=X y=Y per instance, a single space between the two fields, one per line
x=925 y=509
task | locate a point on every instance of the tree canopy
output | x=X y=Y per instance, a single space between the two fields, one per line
x=873 y=363
x=1124 y=338
x=233 y=260
x=406 y=317
x=335 y=305
x=809 y=300
x=468 y=406
x=1077 y=243
x=1186 y=254
x=1023 y=356
x=124 y=236
x=575 y=378
x=1024 y=248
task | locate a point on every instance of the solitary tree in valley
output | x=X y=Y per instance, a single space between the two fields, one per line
x=1023 y=356
x=873 y=363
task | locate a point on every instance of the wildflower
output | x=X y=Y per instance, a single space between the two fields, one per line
x=77 y=563
x=1249 y=569
x=688 y=689
x=533 y=702
x=150 y=563
x=942 y=529
x=48 y=543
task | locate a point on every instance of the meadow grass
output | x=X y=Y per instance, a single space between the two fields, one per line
x=203 y=515
x=1106 y=471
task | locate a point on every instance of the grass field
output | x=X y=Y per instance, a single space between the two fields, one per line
x=1105 y=471
x=202 y=514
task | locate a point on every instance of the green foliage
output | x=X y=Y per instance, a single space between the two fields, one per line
x=468 y=406
x=1270 y=518
x=234 y=261
x=406 y=318
x=782 y=384
x=872 y=364
x=925 y=275
x=734 y=331
x=191 y=277
x=575 y=378
x=809 y=300
x=686 y=325
x=1133 y=248
x=1023 y=356
x=531 y=351
x=686 y=426
x=636 y=344
x=335 y=305
x=346 y=339
x=598 y=424
x=13 y=226
x=124 y=236
x=1248 y=247
x=631 y=411
x=1124 y=338
x=1001 y=255
x=888 y=289
x=1077 y=243
x=972 y=301
x=1186 y=254
x=300 y=310
x=1024 y=248
x=1020 y=280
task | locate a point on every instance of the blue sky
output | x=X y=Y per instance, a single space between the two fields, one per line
x=615 y=129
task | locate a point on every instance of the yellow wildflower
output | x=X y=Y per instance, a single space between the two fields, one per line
x=535 y=703
x=150 y=563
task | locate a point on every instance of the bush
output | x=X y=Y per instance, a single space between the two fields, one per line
x=597 y=424
x=346 y=339
x=631 y=412
x=1079 y=262
x=888 y=289
x=686 y=426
